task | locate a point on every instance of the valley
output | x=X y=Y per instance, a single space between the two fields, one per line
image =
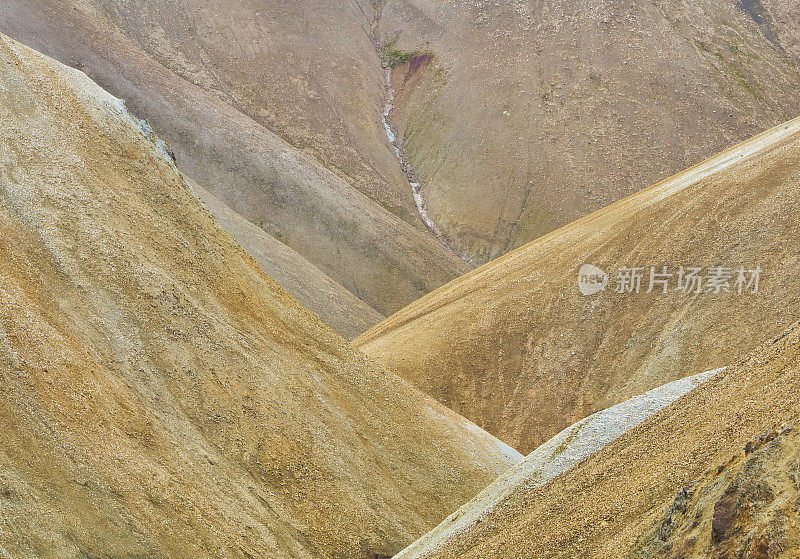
x=412 y=279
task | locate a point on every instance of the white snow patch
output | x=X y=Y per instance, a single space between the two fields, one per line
x=422 y=208
x=570 y=447
x=143 y=126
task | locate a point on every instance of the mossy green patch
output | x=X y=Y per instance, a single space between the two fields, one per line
x=392 y=56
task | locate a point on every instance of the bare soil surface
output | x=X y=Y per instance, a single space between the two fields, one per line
x=332 y=303
x=160 y=395
x=534 y=114
x=275 y=109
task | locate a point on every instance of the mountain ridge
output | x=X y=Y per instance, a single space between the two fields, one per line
x=680 y=460
x=384 y=260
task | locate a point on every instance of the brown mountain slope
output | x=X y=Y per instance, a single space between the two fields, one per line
x=533 y=114
x=332 y=303
x=160 y=396
x=533 y=355
x=194 y=95
x=610 y=505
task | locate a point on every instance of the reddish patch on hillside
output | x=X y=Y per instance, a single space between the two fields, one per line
x=418 y=62
x=405 y=77
x=724 y=516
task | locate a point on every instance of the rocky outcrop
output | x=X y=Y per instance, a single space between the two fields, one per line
x=746 y=508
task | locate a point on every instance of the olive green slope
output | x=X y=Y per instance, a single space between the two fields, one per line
x=530 y=115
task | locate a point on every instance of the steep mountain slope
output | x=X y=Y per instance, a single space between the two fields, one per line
x=570 y=447
x=160 y=395
x=307 y=70
x=680 y=473
x=533 y=355
x=519 y=117
x=332 y=303
x=207 y=76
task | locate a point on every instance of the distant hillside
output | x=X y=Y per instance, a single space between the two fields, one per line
x=275 y=108
x=514 y=118
x=533 y=114
x=332 y=303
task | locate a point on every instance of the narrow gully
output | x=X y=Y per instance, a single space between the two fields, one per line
x=416 y=189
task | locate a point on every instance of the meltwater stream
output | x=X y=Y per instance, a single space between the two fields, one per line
x=416 y=190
